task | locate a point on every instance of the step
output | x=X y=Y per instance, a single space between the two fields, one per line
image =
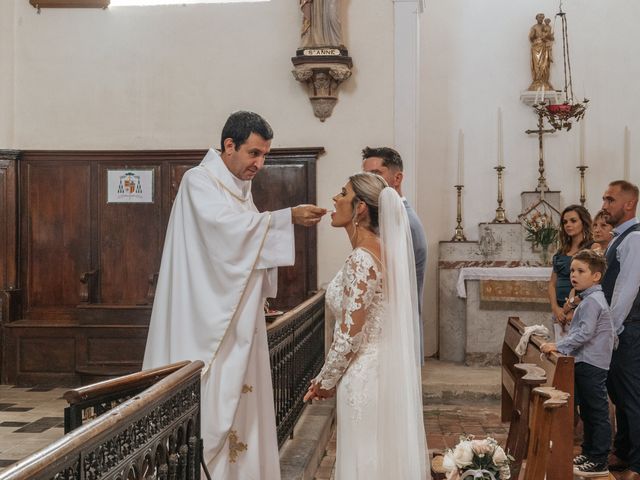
x=452 y=383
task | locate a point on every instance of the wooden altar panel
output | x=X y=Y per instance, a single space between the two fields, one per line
x=57 y=232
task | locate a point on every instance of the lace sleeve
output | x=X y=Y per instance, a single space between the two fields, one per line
x=360 y=281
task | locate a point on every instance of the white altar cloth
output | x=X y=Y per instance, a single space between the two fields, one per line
x=531 y=274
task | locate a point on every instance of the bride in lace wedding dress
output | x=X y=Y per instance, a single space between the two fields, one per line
x=373 y=365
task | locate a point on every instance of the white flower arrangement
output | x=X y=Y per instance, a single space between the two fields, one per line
x=477 y=459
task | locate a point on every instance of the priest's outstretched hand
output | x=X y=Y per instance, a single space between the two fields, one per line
x=307 y=215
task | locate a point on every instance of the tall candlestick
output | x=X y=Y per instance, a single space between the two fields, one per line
x=459 y=231
x=582 y=134
x=500 y=144
x=500 y=212
x=583 y=195
x=627 y=153
x=460 y=157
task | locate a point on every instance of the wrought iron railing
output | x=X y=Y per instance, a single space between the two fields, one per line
x=154 y=434
x=91 y=401
x=296 y=348
x=147 y=425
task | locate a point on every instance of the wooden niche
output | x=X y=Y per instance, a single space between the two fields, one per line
x=77 y=283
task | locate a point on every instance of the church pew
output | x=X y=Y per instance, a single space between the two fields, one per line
x=528 y=377
x=559 y=371
x=548 y=407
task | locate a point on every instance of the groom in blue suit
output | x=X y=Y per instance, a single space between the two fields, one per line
x=387 y=163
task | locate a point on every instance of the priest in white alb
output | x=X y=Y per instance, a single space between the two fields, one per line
x=218 y=266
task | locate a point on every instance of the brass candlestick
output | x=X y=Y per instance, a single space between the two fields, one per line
x=583 y=196
x=500 y=212
x=459 y=235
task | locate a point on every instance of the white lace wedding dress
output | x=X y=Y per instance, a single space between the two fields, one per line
x=374 y=360
x=352 y=362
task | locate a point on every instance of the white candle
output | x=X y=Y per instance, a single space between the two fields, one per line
x=582 y=142
x=500 y=145
x=627 y=152
x=460 y=157
x=543 y=94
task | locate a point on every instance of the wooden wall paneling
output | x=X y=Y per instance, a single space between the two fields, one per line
x=9 y=219
x=66 y=229
x=39 y=355
x=57 y=233
x=287 y=180
x=130 y=241
x=9 y=253
x=105 y=347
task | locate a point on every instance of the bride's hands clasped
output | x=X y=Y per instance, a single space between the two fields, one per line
x=317 y=393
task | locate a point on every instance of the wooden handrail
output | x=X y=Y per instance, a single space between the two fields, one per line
x=70 y=451
x=294 y=312
x=115 y=385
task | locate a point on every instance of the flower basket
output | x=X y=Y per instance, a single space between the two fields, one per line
x=477 y=459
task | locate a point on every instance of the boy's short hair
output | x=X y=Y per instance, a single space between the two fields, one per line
x=596 y=261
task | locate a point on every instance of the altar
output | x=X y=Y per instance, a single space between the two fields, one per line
x=483 y=283
x=506 y=271
x=493 y=294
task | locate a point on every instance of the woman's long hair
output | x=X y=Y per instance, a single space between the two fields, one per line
x=587 y=235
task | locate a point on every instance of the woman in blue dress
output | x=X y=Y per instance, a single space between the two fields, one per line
x=575 y=234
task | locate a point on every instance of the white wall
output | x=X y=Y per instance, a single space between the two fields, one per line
x=6 y=73
x=475 y=58
x=167 y=77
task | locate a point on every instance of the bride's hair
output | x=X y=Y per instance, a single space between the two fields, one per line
x=367 y=187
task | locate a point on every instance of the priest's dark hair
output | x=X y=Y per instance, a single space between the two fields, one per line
x=241 y=124
x=390 y=158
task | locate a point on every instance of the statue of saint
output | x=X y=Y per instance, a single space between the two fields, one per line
x=541 y=38
x=321 y=25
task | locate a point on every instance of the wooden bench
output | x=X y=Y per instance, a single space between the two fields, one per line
x=559 y=371
x=548 y=407
x=528 y=377
x=531 y=422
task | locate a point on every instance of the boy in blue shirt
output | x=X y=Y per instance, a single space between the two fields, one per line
x=591 y=341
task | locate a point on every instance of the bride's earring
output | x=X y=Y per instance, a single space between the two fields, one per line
x=353 y=238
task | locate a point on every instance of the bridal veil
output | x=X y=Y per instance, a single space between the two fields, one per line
x=402 y=449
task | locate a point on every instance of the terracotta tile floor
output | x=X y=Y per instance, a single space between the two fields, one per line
x=444 y=424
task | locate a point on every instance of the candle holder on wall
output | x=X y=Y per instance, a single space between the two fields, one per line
x=459 y=231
